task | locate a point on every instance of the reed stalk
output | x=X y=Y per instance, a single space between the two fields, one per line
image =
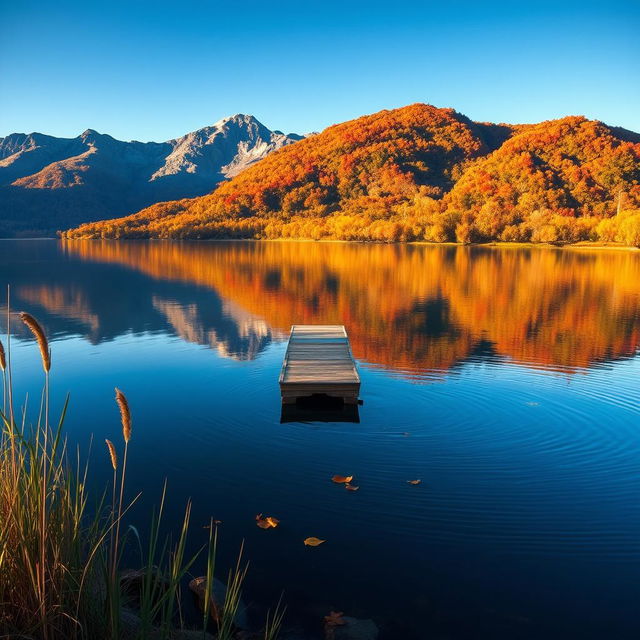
x=9 y=381
x=273 y=623
x=41 y=339
x=3 y=366
x=211 y=565
x=113 y=456
x=45 y=354
x=125 y=418
x=235 y=580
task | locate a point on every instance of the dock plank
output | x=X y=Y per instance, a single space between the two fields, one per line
x=318 y=360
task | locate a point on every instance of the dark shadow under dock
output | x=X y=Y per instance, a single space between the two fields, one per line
x=320 y=408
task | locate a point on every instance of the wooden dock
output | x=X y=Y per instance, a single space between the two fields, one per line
x=319 y=362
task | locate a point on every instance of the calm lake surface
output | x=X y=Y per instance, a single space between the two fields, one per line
x=506 y=379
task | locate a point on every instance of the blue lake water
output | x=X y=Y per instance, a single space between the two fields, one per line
x=507 y=380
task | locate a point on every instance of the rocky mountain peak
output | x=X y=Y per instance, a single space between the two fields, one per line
x=94 y=176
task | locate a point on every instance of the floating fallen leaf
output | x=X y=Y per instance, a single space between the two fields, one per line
x=313 y=542
x=351 y=487
x=334 y=619
x=267 y=522
x=341 y=479
x=414 y=481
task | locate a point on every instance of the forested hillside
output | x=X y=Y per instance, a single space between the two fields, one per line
x=420 y=173
x=553 y=181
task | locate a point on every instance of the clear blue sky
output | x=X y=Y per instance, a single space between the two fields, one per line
x=155 y=70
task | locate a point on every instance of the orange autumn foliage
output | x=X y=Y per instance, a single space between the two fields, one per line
x=267 y=522
x=418 y=308
x=342 y=479
x=553 y=182
x=313 y=541
x=416 y=173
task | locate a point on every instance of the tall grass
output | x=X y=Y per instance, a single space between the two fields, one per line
x=61 y=550
x=42 y=535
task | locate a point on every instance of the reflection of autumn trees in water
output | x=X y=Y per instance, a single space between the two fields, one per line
x=418 y=307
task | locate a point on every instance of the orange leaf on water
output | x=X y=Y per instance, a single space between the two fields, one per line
x=414 y=481
x=351 y=487
x=313 y=542
x=341 y=479
x=267 y=522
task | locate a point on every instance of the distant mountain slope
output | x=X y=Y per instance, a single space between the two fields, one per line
x=420 y=173
x=48 y=183
x=574 y=168
x=366 y=167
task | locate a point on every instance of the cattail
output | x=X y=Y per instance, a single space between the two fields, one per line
x=3 y=358
x=37 y=331
x=125 y=414
x=112 y=454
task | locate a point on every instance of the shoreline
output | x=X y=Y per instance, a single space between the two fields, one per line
x=616 y=246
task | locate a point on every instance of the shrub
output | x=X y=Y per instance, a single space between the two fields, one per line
x=629 y=230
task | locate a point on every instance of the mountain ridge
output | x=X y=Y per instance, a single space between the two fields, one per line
x=47 y=183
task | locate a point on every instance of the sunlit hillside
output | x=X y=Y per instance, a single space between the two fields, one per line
x=420 y=173
x=553 y=181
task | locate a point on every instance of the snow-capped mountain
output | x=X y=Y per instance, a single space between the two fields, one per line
x=49 y=183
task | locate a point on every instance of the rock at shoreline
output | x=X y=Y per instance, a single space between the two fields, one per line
x=218 y=593
x=132 y=583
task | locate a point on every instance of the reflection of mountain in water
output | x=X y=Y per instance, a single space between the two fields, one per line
x=412 y=309
x=196 y=324
x=101 y=302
